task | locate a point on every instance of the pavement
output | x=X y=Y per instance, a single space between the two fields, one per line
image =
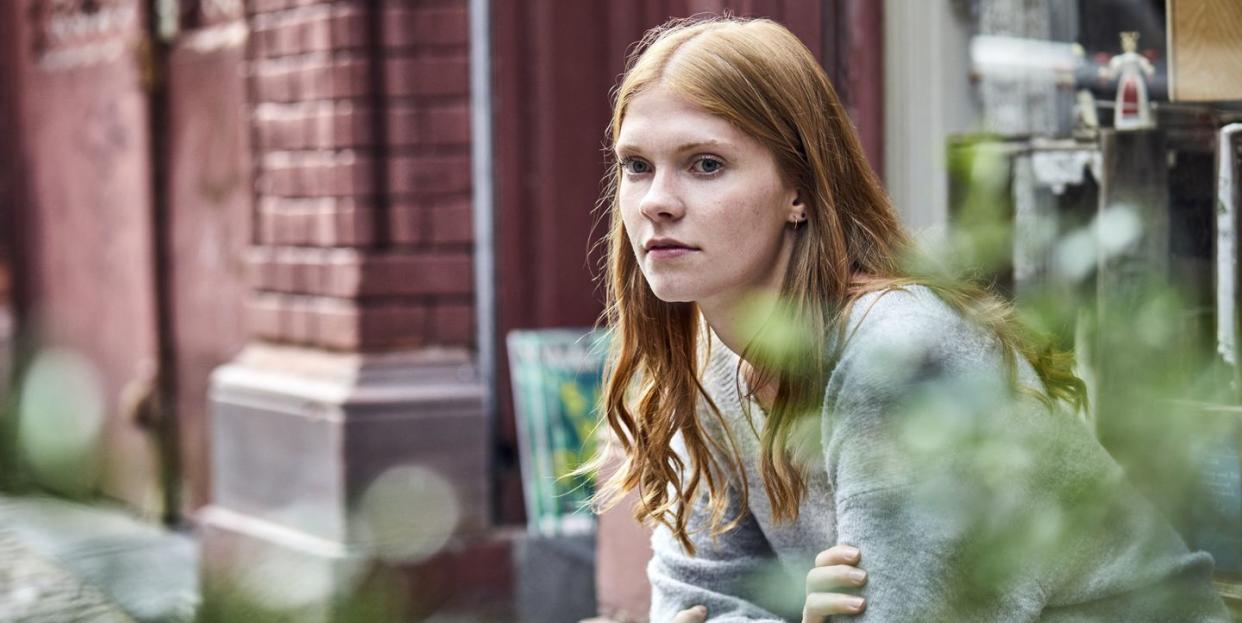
x=62 y=562
x=65 y=562
x=35 y=589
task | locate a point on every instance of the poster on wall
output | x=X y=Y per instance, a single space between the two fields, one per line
x=556 y=381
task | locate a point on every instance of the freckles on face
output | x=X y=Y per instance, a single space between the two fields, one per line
x=709 y=197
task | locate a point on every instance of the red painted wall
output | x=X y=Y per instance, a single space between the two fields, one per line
x=12 y=190
x=86 y=251
x=209 y=223
x=80 y=123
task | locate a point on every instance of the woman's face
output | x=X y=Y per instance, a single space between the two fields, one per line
x=704 y=204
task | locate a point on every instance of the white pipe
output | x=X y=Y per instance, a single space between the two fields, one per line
x=1226 y=244
x=484 y=212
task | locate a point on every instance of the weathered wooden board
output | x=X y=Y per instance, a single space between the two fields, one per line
x=1205 y=50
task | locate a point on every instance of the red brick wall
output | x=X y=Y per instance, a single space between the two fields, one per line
x=362 y=137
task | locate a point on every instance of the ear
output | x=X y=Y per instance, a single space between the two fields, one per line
x=798 y=211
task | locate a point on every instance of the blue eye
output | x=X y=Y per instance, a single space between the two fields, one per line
x=708 y=165
x=634 y=166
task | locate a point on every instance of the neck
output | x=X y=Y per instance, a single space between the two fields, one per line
x=737 y=322
x=736 y=326
x=736 y=317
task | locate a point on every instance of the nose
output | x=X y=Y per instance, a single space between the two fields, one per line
x=662 y=202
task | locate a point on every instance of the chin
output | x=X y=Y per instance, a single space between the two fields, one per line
x=674 y=292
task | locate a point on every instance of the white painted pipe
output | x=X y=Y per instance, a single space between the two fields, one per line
x=484 y=211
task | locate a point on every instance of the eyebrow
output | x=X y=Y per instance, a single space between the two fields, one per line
x=626 y=147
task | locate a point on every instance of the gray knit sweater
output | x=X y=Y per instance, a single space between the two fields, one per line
x=969 y=502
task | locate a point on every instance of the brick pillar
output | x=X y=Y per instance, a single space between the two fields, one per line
x=361 y=356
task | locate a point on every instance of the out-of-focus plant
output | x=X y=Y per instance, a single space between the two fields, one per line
x=57 y=432
x=379 y=597
x=10 y=467
x=1162 y=404
x=403 y=520
x=407 y=514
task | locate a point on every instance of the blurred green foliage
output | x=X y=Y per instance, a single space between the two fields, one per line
x=1163 y=403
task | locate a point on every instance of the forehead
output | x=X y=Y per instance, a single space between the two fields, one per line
x=659 y=117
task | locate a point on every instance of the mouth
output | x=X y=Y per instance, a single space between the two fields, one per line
x=667 y=244
x=669 y=250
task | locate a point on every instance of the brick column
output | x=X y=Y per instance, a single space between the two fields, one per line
x=361 y=308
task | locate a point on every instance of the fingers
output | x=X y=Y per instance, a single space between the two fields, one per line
x=838 y=555
x=697 y=614
x=834 y=570
x=819 y=605
x=828 y=579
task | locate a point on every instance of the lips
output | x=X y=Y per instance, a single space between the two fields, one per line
x=667 y=244
x=667 y=249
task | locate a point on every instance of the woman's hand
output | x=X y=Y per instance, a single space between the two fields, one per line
x=697 y=614
x=835 y=568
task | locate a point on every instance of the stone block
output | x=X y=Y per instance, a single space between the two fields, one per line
x=554 y=578
x=329 y=466
x=294 y=442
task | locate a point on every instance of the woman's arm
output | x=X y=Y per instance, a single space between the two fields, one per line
x=1012 y=525
x=726 y=575
x=906 y=493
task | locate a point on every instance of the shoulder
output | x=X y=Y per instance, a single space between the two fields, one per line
x=914 y=384
x=910 y=330
x=909 y=358
x=912 y=306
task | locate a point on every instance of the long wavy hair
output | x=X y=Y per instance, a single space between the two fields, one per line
x=757 y=75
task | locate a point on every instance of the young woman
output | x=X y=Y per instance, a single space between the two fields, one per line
x=798 y=412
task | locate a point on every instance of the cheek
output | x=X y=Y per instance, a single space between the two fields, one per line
x=749 y=228
x=749 y=246
x=750 y=220
x=630 y=217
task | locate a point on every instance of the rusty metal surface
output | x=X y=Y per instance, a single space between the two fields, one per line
x=85 y=232
x=209 y=226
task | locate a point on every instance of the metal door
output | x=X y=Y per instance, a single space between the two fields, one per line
x=83 y=230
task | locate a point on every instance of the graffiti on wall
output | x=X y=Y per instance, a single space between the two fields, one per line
x=71 y=33
x=207 y=12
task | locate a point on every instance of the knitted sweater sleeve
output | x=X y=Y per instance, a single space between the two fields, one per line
x=727 y=574
x=972 y=503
